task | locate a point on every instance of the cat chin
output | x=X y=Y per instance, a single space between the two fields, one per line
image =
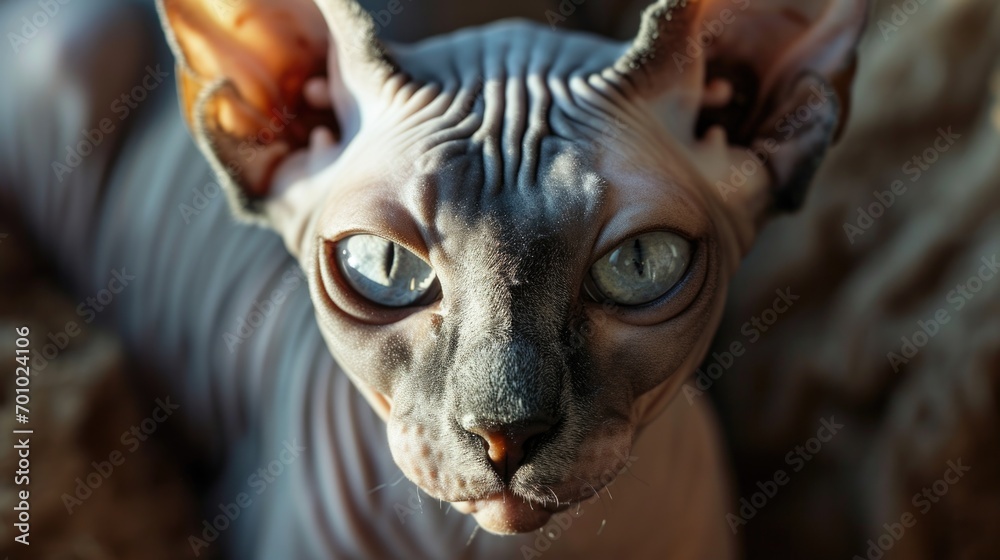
x=507 y=514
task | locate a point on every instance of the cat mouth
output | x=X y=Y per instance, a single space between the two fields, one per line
x=505 y=513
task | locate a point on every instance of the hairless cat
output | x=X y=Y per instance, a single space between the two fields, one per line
x=500 y=252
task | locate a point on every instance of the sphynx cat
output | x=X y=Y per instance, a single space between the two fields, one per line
x=481 y=264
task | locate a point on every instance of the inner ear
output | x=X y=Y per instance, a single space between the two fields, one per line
x=784 y=68
x=788 y=132
x=242 y=74
x=743 y=82
x=241 y=71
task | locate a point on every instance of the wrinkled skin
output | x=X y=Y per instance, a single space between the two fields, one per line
x=514 y=338
x=510 y=158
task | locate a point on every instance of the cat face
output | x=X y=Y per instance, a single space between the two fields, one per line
x=512 y=294
x=517 y=239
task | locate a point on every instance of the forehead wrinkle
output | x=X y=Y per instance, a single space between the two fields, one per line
x=512 y=63
x=525 y=121
x=438 y=186
x=498 y=120
x=444 y=198
x=453 y=171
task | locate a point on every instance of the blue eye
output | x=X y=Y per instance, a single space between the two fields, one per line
x=642 y=269
x=382 y=271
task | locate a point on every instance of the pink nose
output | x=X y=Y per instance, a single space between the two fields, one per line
x=506 y=445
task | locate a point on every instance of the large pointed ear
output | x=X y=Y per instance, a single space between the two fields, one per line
x=773 y=75
x=242 y=71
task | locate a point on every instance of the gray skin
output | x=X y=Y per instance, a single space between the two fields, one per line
x=510 y=158
x=514 y=341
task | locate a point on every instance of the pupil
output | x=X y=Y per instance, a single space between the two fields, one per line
x=390 y=257
x=638 y=259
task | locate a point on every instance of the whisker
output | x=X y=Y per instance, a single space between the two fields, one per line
x=554 y=496
x=472 y=536
x=596 y=492
x=599 y=498
x=628 y=469
x=386 y=485
x=603 y=523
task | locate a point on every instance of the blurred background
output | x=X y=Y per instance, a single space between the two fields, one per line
x=896 y=232
x=895 y=332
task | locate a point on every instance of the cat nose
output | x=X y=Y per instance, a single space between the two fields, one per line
x=507 y=444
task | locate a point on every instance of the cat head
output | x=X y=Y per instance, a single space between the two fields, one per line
x=518 y=240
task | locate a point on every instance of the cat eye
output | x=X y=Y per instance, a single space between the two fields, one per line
x=383 y=271
x=640 y=270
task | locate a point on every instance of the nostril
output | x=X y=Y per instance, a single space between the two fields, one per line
x=532 y=441
x=498 y=446
x=506 y=445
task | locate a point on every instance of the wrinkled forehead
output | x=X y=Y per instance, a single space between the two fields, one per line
x=512 y=52
x=501 y=132
x=559 y=189
x=549 y=206
x=516 y=151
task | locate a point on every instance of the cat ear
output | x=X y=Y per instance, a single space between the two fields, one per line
x=242 y=71
x=773 y=75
